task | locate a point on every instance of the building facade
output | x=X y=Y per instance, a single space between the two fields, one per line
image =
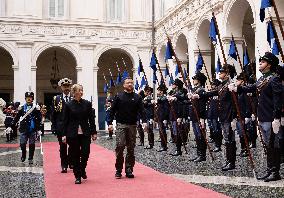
x=87 y=40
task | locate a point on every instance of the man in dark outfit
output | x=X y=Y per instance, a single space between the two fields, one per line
x=125 y=107
x=269 y=88
x=59 y=102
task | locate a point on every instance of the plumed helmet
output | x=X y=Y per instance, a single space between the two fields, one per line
x=65 y=81
x=178 y=83
x=29 y=94
x=229 y=69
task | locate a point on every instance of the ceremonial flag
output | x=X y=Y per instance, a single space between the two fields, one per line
x=264 y=4
x=136 y=85
x=169 y=51
x=246 y=57
x=154 y=77
x=167 y=72
x=153 y=62
x=213 y=31
x=171 y=80
x=118 y=79
x=105 y=88
x=143 y=82
x=125 y=74
x=177 y=70
x=232 y=50
x=218 y=66
x=140 y=67
x=270 y=33
x=199 y=63
x=275 y=48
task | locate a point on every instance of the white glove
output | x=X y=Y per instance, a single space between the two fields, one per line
x=153 y=101
x=195 y=96
x=151 y=121
x=253 y=117
x=282 y=121
x=189 y=95
x=202 y=122
x=144 y=126
x=247 y=120
x=276 y=125
x=39 y=132
x=232 y=87
x=179 y=120
x=174 y=98
x=165 y=122
x=234 y=124
x=249 y=94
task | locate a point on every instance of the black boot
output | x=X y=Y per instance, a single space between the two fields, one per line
x=24 y=152
x=164 y=147
x=243 y=152
x=269 y=162
x=178 y=147
x=141 y=135
x=31 y=153
x=274 y=176
x=202 y=152
x=8 y=136
x=198 y=150
x=231 y=156
x=281 y=144
x=150 y=138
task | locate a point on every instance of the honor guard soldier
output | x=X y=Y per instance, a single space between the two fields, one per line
x=109 y=101
x=269 y=109
x=29 y=118
x=245 y=111
x=9 y=112
x=139 y=126
x=149 y=110
x=59 y=102
x=213 y=117
x=163 y=112
x=179 y=95
x=198 y=115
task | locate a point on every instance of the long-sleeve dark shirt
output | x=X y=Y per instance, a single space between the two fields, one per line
x=126 y=107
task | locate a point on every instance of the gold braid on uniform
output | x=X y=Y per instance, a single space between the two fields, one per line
x=58 y=107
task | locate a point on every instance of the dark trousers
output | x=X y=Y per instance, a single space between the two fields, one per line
x=125 y=136
x=79 y=153
x=64 y=150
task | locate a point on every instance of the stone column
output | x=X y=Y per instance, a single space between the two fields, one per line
x=96 y=93
x=23 y=78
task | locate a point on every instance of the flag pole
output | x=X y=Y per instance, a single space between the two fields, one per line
x=238 y=55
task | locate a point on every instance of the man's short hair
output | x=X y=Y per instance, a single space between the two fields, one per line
x=127 y=78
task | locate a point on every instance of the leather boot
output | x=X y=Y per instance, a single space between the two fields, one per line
x=178 y=147
x=141 y=135
x=24 y=152
x=163 y=142
x=243 y=152
x=197 y=150
x=231 y=156
x=269 y=162
x=31 y=153
x=274 y=176
x=202 y=151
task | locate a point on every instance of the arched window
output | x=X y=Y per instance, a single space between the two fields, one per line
x=57 y=8
x=115 y=10
x=2 y=8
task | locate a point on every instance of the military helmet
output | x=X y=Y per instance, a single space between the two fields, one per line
x=229 y=69
x=163 y=88
x=29 y=94
x=178 y=83
x=148 y=88
x=270 y=58
x=200 y=77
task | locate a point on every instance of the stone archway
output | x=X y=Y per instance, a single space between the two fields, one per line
x=240 y=21
x=107 y=64
x=6 y=76
x=44 y=63
x=182 y=51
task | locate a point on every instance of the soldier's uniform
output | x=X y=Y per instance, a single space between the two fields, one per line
x=109 y=100
x=28 y=126
x=198 y=115
x=139 y=126
x=149 y=110
x=57 y=120
x=9 y=112
x=213 y=118
x=269 y=107
x=163 y=116
x=245 y=111
x=178 y=116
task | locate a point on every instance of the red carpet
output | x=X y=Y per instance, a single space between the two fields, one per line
x=101 y=183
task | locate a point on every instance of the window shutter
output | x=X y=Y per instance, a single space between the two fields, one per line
x=61 y=8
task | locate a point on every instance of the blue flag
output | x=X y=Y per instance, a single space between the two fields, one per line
x=270 y=33
x=169 y=51
x=184 y=74
x=167 y=72
x=143 y=82
x=213 y=31
x=232 y=50
x=118 y=79
x=177 y=70
x=154 y=77
x=136 y=85
x=105 y=88
x=171 y=80
x=111 y=82
x=153 y=62
x=275 y=48
x=199 y=63
x=125 y=74
x=264 y=4
x=218 y=66
x=140 y=67
x=246 y=57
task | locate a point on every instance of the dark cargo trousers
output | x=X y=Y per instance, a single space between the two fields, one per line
x=125 y=136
